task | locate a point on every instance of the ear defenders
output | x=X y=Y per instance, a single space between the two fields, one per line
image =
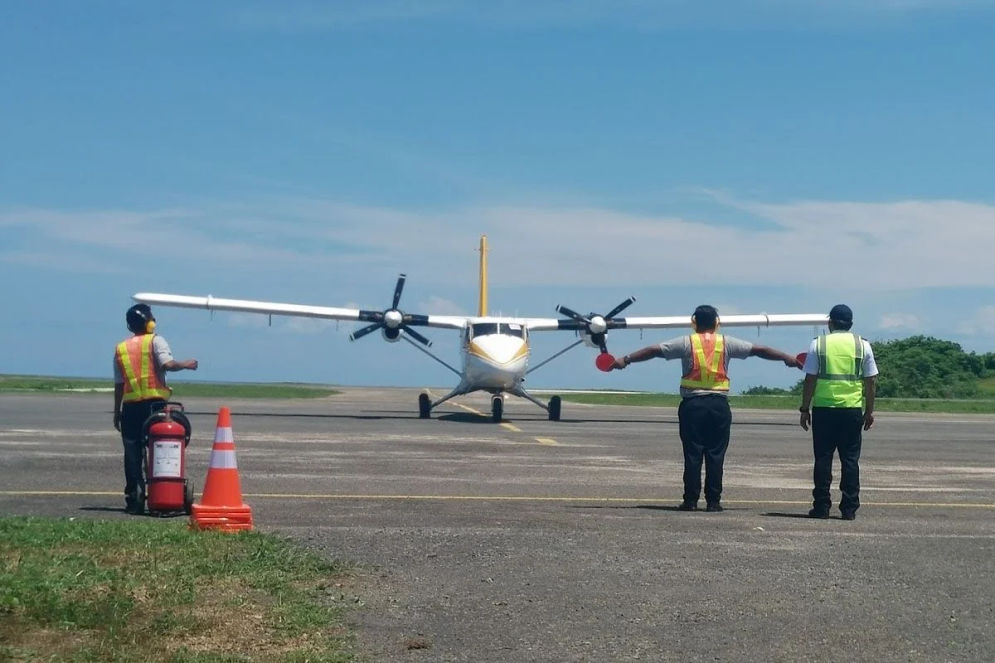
x=150 y=326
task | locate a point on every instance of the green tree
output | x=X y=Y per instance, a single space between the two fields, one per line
x=919 y=367
x=927 y=367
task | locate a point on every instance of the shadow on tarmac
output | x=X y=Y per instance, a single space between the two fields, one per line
x=646 y=507
x=778 y=514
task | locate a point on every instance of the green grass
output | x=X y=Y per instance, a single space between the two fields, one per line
x=987 y=387
x=41 y=384
x=148 y=590
x=981 y=406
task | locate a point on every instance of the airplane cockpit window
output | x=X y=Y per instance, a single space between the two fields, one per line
x=485 y=328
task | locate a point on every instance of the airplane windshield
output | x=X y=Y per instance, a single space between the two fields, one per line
x=485 y=328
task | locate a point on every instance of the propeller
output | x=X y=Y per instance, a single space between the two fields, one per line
x=392 y=321
x=594 y=324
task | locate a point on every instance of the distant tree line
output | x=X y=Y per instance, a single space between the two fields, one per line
x=919 y=367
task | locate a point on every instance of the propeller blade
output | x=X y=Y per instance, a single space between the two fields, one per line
x=599 y=340
x=371 y=316
x=360 y=333
x=621 y=307
x=418 y=337
x=570 y=313
x=415 y=319
x=398 y=289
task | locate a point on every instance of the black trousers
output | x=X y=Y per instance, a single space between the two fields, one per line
x=133 y=416
x=836 y=430
x=704 y=425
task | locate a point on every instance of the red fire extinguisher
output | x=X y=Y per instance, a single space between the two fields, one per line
x=167 y=434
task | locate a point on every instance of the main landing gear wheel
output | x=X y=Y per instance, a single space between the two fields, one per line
x=497 y=409
x=424 y=406
x=554 y=408
x=188 y=498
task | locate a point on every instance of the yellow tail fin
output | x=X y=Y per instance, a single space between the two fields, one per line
x=482 y=308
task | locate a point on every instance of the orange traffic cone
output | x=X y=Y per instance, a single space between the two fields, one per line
x=221 y=504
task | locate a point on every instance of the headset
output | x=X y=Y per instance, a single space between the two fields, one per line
x=140 y=314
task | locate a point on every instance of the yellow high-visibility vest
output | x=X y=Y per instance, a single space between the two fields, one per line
x=841 y=371
x=141 y=381
x=708 y=363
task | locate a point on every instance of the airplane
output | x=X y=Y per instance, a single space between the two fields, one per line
x=494 y=349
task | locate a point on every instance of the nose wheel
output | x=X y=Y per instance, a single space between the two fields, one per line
x=497 y=409
x=424 y=406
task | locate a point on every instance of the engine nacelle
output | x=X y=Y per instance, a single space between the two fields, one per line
x=588 y=341
x=390 y=335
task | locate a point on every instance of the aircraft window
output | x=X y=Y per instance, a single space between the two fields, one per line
x=484 y=328
x=513 y=330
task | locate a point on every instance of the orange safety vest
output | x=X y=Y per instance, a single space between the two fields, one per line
x=708 y=363
x=141 y=381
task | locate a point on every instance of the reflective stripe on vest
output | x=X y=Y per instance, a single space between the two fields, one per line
x=841 y=371
x=708 y=363
x=141 y=382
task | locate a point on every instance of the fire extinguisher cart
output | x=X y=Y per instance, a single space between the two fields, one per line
x=167 y=433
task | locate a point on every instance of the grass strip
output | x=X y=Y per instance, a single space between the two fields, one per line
x=89 y=590
x=981 y=406
x=40 y=384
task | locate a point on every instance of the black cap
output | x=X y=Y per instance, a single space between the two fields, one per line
x=841 y=313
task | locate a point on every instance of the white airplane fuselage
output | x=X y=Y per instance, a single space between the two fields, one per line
x=495 y=356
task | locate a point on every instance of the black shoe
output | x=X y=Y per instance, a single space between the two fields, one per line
x=687 y=506
x=848 y=515
x=714 y=508
x=818 y=513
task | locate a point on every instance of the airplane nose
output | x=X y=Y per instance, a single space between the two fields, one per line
x=500 y=349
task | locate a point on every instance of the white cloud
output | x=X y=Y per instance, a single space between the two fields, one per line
x=900 y=321
x=981 y=323
x=441 y=306
x=838 y=244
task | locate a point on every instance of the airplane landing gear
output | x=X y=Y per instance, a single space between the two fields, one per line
x=497 y=409
x=424 y=406
x=554 y=408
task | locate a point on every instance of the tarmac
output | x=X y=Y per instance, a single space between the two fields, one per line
x=533 y=540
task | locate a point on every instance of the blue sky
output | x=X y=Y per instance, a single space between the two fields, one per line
x=760 y=155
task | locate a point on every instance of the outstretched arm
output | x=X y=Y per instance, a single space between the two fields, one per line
x=764 y=352
x=649 y=352
x=173 y=365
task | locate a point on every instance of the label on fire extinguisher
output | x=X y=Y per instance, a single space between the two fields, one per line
x=166 y=459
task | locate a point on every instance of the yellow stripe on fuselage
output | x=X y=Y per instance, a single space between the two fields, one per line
x=477 y=350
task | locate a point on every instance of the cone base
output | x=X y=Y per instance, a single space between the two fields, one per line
x=224 y=518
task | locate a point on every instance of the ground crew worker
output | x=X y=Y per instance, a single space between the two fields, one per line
x=140 y=365
x=704 y=413
x=840 y=379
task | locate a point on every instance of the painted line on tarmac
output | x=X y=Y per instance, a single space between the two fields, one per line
x=547 y=441
x=490 y=498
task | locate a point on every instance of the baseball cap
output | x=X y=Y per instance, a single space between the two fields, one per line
x=841 y=313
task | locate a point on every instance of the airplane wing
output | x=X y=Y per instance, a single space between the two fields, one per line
x=674 y=321
x=297 y=310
